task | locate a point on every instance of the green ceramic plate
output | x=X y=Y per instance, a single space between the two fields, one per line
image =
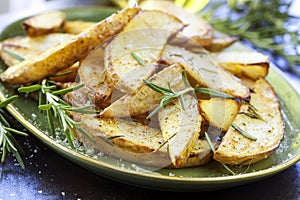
x=209 y=177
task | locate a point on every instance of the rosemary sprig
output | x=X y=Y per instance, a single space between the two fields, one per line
x=170 y=94
x=56 y=107
x=265 y=25
x=7 y=141
x=213 y=150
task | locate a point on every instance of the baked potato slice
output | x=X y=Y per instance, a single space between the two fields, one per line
x=145 y=99
x=144 y=36
x=180 y=128
x=135 y=142
x=219 y=112
x=197 y=31
x=244 y=64
x=202 y=68
x=44 y=23
x=267 y=128
x=67 y=53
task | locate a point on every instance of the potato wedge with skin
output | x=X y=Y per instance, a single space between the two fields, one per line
x=23 y=52
x=145 y=99
x=68 y=52
x=27 y=47
x=202 y=68
x=197 y=32
x=244 y=64
x=180 y=128
x=235 y=148
x=40 y=43
x=145 y=36
x=77 y=26
x=135 y=142
x=219 y=112
x=44 y=23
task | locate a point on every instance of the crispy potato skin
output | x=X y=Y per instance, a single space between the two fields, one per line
x=69 y=52
x=236 y=149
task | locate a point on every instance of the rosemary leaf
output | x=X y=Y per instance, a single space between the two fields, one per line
x=213 y=93
x=138 y=59
x=70 y=89
x=15 y=131
x=157 y=88
x=244 y=133
x=8 y=101
x=14 y=55
x=30 y=88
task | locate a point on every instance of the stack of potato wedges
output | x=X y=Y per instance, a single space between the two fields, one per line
x=156 y=42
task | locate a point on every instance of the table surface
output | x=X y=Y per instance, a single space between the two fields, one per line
x=50 y=176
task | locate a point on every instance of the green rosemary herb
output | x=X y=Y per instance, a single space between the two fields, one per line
x=7 y=141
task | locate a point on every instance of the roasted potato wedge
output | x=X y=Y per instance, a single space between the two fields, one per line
x=145 y=99
x=197 y=31
x=180 y=128
x=67 y=53
x=219 y=112
x=45 y=23
x=202 y=68
x=135 y=142
x=21 y=52
x=268 y=129
x=144 y=36
x=26 y=47
x=244 y=64
x=77 y=26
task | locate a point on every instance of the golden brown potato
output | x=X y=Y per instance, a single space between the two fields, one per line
x=44 y=23
x=135 y=142
x=77 y=26
x=202 y=68
x=67 y=53
x=244 y=64
x=220 y=43
x=145 y=35
x=197 y=32
x=267 y=129
x=219 y=112
x=180 y=128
